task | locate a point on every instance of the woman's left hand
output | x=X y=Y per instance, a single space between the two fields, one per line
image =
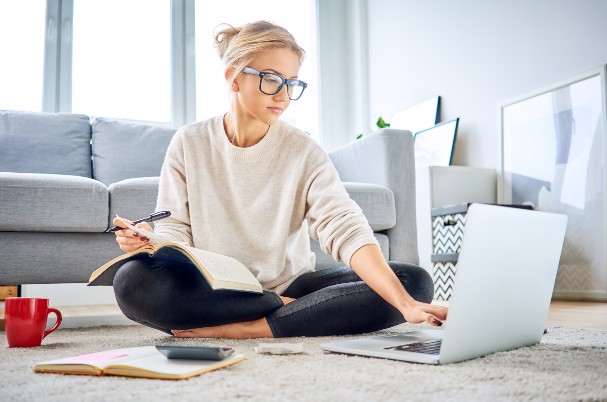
x=418 y=312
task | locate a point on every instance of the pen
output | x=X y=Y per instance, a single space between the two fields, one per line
x=153 y=217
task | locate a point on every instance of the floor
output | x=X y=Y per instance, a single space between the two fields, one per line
x=576 y=314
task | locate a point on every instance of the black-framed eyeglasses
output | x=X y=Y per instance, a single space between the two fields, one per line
x=272 y=83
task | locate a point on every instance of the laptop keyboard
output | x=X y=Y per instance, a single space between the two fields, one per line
x=429 y=347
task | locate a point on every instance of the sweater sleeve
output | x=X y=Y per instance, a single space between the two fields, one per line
x=335 y=220
x=173 y=195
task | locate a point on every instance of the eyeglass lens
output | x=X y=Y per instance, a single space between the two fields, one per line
x=270 y=84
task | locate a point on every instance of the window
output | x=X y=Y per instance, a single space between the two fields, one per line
x=22 y=49
x=299 y=18
x=135 y=59
x=122 y=59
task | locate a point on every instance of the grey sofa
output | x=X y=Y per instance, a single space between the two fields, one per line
x=63 y=177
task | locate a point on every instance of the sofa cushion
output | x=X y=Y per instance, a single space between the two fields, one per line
x=136 y=198
x=377 y=203
x=52 y=203
x=133 y=198
x=45 y=143
x=123 y=149
x=39 y=257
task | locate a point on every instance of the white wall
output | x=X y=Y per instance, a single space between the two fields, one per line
x=475 y=54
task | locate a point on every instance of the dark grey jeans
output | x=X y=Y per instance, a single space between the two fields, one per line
x=332 y=301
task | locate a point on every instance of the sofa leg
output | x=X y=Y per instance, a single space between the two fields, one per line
x=7 y=291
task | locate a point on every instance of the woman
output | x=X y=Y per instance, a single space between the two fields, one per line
x=250 y=186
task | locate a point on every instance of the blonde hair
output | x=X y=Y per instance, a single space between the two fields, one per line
x=238 y=46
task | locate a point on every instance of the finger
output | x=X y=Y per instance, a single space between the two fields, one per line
x=133 y=233
x=438 y=311
x=432 y=306
x=433 y=320
x=144 y=225
x=118 y=222
x=441 y=314
x=129 y=233
x=126 y=233
x=129 y=247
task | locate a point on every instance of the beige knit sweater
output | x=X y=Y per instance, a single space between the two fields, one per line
x=258 y=204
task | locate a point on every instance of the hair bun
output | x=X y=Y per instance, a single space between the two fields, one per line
x=237 y=46
x=223 y=35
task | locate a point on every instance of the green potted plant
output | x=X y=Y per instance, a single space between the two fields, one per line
x=381 y=123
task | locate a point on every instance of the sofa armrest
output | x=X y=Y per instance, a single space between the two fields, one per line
x=133 y=198
x=386 y=158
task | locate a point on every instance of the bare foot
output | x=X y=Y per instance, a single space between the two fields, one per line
x=239 y=330
x=287 y=300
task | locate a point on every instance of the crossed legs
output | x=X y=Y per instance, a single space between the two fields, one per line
x=328 y=302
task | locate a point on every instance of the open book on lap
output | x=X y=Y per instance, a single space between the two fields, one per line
x=144 y=361
x=220 y=271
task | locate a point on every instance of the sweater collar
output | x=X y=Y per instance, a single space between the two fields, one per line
x=263 y=148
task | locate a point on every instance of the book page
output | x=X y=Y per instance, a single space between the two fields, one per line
x=158 y=363
x=224 y=268
x=144 y=361
x=101 y=359
x=104 y=275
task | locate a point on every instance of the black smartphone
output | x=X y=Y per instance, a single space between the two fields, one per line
x=195 y=352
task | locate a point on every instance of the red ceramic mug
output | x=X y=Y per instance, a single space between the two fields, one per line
x=25 y=321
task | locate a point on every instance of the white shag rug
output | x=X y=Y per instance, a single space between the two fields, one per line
x=569 y=364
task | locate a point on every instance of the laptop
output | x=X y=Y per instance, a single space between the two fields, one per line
x=502 y=290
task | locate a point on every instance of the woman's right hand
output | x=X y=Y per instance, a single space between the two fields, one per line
x=128 y=239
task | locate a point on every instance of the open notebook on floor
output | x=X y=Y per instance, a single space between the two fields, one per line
x=501 y=295
x=142 y=361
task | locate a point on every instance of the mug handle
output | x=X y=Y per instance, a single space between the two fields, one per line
x=57 y=322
